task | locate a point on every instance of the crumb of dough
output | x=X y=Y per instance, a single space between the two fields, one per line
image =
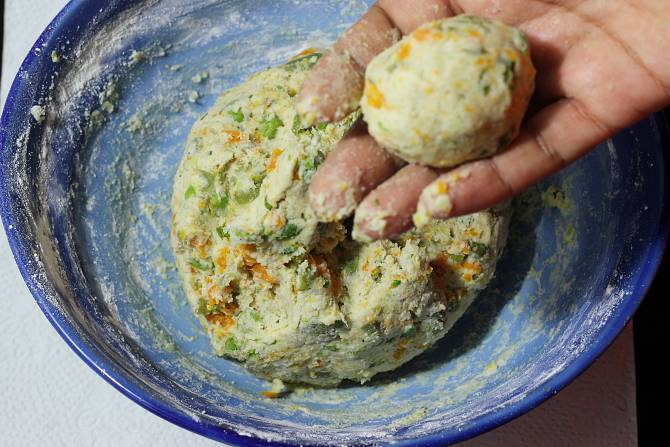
x=199 y=78
x=193 y=96
x=38 y=113
x=136 y=57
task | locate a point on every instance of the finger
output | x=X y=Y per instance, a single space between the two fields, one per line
x=356 y=166
x=334 y=86
x=552 y=139
x=331 y=90
x=408 y=16
x=387 y=211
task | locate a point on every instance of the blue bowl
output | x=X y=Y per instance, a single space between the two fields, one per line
x=85 y=203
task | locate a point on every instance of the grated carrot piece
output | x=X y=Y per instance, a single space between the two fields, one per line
x=428 y=34
x=511 y=55
x=200 y=243
x=474 y=266
x=375 y=96
x=222 y=259
x=262 y=273
x=235 y=136
x=404 y=50
x=271 y=394
x=305 y=52
x=223 y=320
x=272 y=164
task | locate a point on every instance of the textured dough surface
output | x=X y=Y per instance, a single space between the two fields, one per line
x=451 y=91
x=288 y=296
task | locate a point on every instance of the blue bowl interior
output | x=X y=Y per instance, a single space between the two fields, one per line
x=86 y=204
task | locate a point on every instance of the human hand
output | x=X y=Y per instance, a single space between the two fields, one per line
x=600 y=68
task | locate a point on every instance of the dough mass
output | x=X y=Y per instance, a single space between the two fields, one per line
x=453 y=90
x=290 y=297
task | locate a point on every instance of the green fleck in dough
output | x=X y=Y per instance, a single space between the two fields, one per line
x=269 y=126
x=451 y=91
x=238 y=116
x=292 y=298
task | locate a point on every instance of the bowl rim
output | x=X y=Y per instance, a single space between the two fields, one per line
x=104 y=366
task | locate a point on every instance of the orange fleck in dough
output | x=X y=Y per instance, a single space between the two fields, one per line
x=235 y=136
x=428 y=34
x=442 y=187
x=278 y=221
x=271 y=394
x=201 y=243
x=272 y=164
x=404 y=50
x=511 y=55
x=244 y=251
x=375 y=96
x=225 y=318
x=305 y=52
x=222 y=258
x=262 y=273
x=257 y=269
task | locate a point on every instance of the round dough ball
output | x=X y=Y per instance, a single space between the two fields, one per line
x=452 y=91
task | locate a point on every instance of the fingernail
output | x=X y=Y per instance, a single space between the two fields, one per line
x=435 y=200
x=369 y=223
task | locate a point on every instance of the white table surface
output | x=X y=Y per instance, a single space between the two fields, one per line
x=51 y=398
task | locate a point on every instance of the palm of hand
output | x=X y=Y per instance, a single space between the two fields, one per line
x=603 y=58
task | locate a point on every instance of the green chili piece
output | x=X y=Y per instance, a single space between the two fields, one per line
x=231 y=344
x=289 y=231
x=201 y=265
x=269 y=127
x=190 y=192
x=237 y=116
